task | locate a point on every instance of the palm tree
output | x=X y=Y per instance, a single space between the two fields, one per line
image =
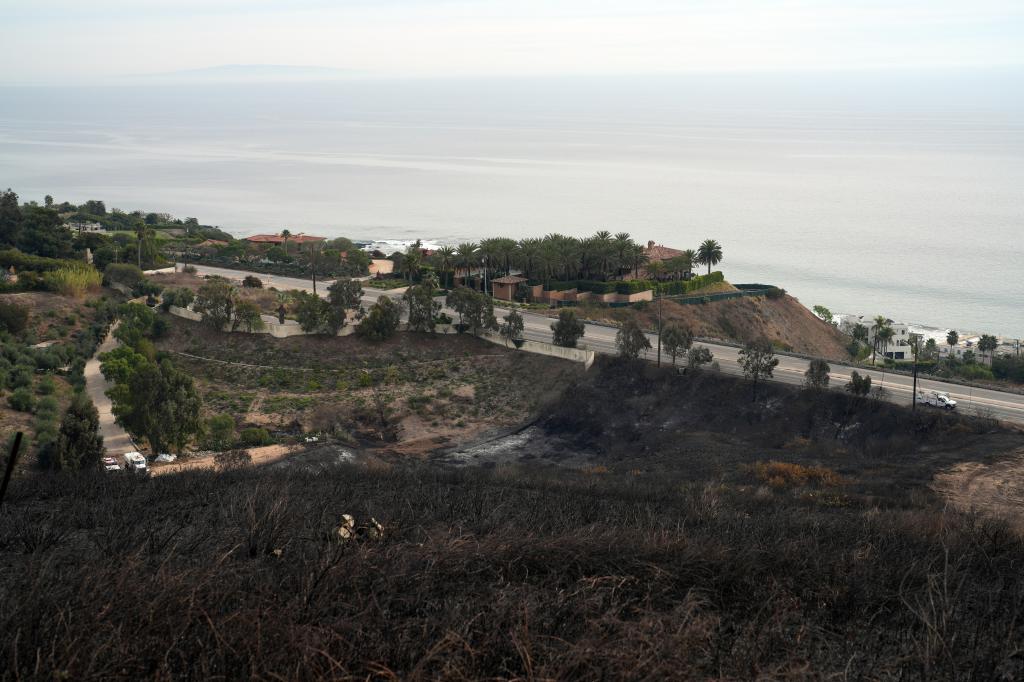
x=466 y=257
x=884 y=336
x=505 y=249
x=445 y=258
x=952 y=338
x=412 y=262
x=879 y=324
x=285 y=234
x=623 y=252
x=547 y=261
x=689 y=256
x=638 y=258
x=709 y=253
x=987 y=344
x=589 y=255
x=605 y=248
x=527 y=256
x=140 y=236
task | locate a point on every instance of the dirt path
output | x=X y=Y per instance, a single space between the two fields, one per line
x=993 y=489
x=264 y=455
x=115 y=439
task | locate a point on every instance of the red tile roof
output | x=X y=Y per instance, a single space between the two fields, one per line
x=657 y=252
x=278 y=239
x=508 y=279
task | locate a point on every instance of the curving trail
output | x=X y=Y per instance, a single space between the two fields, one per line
x=115 y=439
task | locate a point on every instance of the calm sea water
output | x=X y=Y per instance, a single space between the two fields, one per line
x=901 y=195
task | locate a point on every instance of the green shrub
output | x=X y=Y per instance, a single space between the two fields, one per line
x=23 y=262
x=181 y=298
x=124 y=274
x=255 y=437
x=21 y=400
x=47 y=407
x=13 y=317
x=46 y=386
x=220 y=432
x=20 y=377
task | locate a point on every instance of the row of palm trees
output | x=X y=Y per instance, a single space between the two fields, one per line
x=559 y=257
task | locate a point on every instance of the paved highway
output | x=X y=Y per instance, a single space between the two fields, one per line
x=897 y=388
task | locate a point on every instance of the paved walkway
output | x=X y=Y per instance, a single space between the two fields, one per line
x=115 y=439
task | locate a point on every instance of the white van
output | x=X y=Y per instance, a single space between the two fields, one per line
x=135 y=462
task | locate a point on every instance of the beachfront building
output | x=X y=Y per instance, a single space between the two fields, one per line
x=657 y=253
x=899 y=347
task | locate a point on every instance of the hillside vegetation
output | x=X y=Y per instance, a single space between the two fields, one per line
x=499 y=575
x=783 y=320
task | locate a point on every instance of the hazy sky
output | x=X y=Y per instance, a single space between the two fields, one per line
x=77 y=40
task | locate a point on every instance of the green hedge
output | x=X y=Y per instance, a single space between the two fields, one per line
x=684 y=287
x=635 y=286
x=25 y=261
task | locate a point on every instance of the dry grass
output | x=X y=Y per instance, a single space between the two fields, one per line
x=787 y=474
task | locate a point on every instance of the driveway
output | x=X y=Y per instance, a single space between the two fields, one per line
x=115 y=439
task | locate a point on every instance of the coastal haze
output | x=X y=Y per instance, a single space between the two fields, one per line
x=898 y=194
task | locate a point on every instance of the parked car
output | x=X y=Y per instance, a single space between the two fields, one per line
x=135 y=463
x=936 y=399
x=110 y=464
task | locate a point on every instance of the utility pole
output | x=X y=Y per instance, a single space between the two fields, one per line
x=659 y=330
x=312 y=253
x=913 y=393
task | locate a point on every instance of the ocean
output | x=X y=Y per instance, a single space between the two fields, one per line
x=895 y=194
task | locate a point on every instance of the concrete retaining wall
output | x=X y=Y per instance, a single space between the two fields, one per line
x=586 y=357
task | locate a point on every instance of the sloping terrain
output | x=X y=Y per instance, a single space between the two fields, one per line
x=783 y=320
x=405 y=396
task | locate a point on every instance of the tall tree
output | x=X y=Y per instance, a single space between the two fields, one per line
x=880 y=323
x=423 y=309
x=885 y=335
x=445 y=261
x=160 y=405
x=676 y=341
x=79 y=443
x=709 y=253
x=215 y=301
x=987 y=345
x=816 y=377
x=758 y=361
x=475 y=310
x=382 y=320
x=568 y=330
x=10 y=218
x=512 y=328
x=631 y=341
x=43 y=233
x=952 y=338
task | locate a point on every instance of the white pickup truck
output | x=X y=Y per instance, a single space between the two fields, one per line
x=936 y=399
x=135 y=463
